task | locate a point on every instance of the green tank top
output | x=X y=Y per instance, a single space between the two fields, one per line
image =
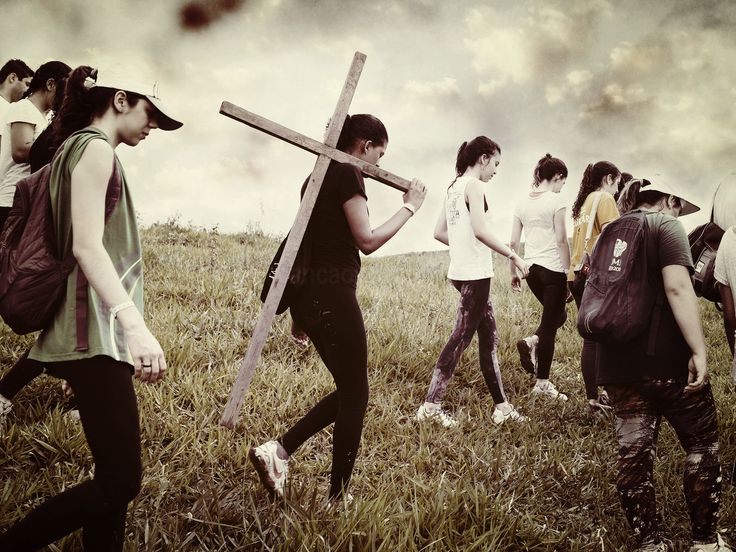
x=83 y=326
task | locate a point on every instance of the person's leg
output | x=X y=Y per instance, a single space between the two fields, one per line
x=471 y=310
x=588 y=359
x=693 y=417
x=488 y=354
x=340 y=339
x=109 y=414
x=551 y=289
x=637 y=426
x=23 y=372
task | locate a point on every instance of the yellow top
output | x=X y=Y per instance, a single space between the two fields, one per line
x=606 y=212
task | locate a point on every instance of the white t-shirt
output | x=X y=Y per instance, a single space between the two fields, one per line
x=470 y=259
x=536 y=213
x=4 y=106
x=10 y=171
x=725 y=269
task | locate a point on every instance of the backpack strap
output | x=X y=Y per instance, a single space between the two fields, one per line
x=656 y=311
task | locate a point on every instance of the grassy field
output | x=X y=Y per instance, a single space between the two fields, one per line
x=545 y=485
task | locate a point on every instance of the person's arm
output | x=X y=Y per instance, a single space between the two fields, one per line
x=440 y=229
x=476 y=200
x=563 y=247
x=678 y=288
x=89 y=187
x=729 y=315
x=369 y=240
x=21 y=140
x=514 y=244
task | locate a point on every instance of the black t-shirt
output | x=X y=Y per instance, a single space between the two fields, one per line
x=666 y=245
x=41 y=152
x=334 y=256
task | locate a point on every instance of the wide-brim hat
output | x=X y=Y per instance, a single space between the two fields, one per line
x=688 y=207
x=165 y=118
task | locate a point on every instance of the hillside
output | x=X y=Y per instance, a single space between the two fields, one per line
x=547 y=485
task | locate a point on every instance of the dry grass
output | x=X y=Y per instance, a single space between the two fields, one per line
x=547 y=485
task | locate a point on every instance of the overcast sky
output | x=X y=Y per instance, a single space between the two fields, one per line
x=647 y=85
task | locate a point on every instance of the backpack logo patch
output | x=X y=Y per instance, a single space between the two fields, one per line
x=618 y=250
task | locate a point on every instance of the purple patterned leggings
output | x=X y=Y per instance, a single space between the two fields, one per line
x=474 y=315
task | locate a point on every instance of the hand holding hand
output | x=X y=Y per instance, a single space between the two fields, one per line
x=521 y=265
x=516 y=283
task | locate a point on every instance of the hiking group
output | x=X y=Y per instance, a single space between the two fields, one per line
x=627 y=246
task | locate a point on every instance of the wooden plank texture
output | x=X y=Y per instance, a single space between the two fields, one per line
x=248 y=365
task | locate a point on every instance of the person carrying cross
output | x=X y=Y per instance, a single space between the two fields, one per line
x=328 y=311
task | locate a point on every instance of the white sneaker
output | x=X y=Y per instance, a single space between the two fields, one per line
x=5 y=407
x=435 y=414
x=271 y=468
x=718 y=546
x=499 y=417
x=549 y=391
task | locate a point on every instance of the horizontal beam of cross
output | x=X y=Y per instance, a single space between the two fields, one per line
x=313 y=146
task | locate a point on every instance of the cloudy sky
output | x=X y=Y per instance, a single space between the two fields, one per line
x=647 y=85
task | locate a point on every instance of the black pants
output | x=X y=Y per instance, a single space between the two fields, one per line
x=550 y=289
x=331 y=317
x=474 y=315
x=588 y=358
x=109 y=413
x=639 y=408
x=23 y=372
x=3 y=216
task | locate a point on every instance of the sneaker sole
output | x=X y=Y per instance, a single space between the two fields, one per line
x=262 y=470
x=525 y=357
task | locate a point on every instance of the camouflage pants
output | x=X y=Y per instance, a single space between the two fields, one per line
x=639 y=409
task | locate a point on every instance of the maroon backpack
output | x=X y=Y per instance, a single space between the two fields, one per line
x=32 y=273
x=32 y=276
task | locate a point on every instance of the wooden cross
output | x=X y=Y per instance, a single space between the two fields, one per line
x=326 y=152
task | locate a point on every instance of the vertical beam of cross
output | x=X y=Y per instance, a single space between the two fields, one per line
x=260 y=333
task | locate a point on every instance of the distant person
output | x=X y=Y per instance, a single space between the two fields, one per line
x=15 y=76
x=600 y=182
x=24 y=121
x=328 y=311
x=662 y=372
x=98 y=358
x=462 y=226
x=63 y=125
x=724 y=215
x=541 y=217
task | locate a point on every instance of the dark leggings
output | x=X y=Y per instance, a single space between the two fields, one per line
x=474 y=314
x=23 y=372
x=109 y=414
x=550 y=289
x=331 y=317
x=588 y=359
x=639 y=409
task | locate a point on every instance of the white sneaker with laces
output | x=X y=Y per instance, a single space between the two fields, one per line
x=499 y=417
x=272 y=469
x=5 y=407
x=718 y=546
x=548 y=390
x=435 y=413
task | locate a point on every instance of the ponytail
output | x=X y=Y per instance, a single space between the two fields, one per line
x=547 y=168
x=361 y=127
x=469 y=152
x=592 y=180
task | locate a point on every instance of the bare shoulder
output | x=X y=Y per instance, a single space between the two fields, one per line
x=96 y=159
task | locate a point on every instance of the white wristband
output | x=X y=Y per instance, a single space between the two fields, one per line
x=117 y=308
x=410 y=207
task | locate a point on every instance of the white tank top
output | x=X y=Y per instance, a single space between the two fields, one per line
x=470 y=259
